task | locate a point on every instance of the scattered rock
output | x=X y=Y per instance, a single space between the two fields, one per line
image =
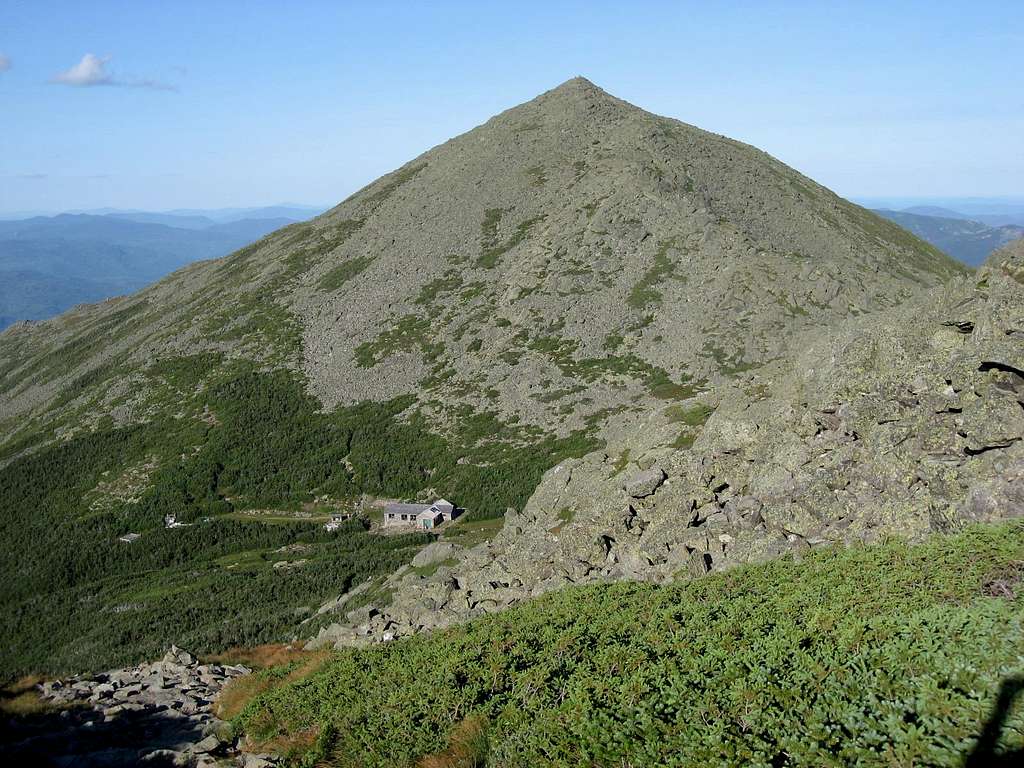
x=157 y=713
x=258 y=761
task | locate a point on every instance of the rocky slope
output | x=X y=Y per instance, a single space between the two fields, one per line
x=903 y=422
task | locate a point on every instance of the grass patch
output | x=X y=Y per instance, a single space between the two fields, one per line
x=729 y=364
x=613 y=341
x=588 y=369
x=646 y=291
x=536 y=176
x=467 y=747
x=257 y=656
x=406 y=334
x=288 y=666
x=693 y=416
x=425 y=571
x=381 y=190
x=377 y=595
x=256 y=319
x=662 y=387
x=621 y=462
x=469 y=533
x=447 y=284
x=21 y=698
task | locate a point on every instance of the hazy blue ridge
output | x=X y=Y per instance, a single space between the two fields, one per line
x=49 y=264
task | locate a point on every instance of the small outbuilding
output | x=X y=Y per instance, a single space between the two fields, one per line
x=337 y=520
x=128 y=538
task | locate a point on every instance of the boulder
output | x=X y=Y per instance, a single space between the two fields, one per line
x=178 y=656
x=259 y=761
x=437 y=552
x=645 y=483
x=208 y=744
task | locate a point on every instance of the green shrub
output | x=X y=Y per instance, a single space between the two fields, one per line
x=692 y=416
x=408 y=333
x=430 y=291
x=873 y=656
x=646 y=291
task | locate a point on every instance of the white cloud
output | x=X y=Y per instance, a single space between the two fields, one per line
x=5 y=63
x=92 y=70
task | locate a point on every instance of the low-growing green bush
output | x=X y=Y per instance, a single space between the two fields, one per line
x=887 y=655
x=341 y=274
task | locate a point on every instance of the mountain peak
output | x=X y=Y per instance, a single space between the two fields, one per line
x=578 y=84
x=578 y=89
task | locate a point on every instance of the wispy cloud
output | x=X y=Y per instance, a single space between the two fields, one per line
x=5 y=63
x=43 y=176
x=92 y=71
x=155 y=85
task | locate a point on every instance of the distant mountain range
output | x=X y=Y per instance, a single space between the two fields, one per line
x=970 y=240
x=49 y=264
x=994 y=211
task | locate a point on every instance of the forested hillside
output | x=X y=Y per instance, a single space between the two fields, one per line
x=240 y=444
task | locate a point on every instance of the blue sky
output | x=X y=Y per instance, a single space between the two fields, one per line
x=209 y=104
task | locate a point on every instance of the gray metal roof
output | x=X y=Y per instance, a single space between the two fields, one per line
x=405 y=509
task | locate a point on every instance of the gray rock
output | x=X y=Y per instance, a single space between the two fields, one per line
x=645 y=483
x=208 y=744
x=436 y=552
x=178 y=656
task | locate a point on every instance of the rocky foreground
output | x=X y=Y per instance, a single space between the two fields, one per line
x=156 y=714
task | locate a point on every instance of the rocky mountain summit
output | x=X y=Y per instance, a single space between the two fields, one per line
x=905 y=422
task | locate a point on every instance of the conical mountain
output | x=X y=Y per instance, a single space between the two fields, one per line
x=572 y=255
x=574 y=278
